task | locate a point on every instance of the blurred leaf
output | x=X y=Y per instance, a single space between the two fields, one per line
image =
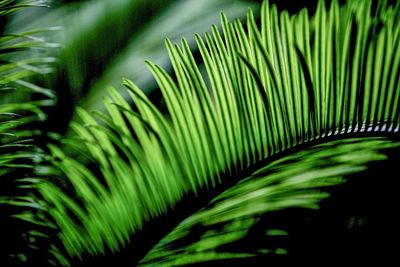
x=181 y=19
x=21 y=109
x=231 y=225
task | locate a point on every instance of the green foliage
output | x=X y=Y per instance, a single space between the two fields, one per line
x=292 y=80
x=21 y=104
x=182 y=19
x=104 y=40
x=294 y=181
x=258 y=91
x=10 y=6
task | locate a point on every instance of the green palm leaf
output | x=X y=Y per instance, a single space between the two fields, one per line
x=294 y=80
x=244 y=213
x=21 y=107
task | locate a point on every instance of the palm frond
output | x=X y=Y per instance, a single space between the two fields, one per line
x=10 y=6
x=299 y=181
x=21 y=104
x=296 y=79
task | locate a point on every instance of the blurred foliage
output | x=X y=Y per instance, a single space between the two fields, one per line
x=239 y=224
x=103 y=41
x=21 y=116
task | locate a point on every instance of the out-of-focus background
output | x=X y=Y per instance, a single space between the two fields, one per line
x=98 y=42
